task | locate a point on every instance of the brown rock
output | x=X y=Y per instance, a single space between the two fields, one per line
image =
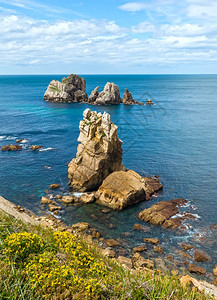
x=11 y=148
x=186 y=246
x=196 y=269
x=45 y=200
x=87 y=198
x=80 y=226
x=140 y=248
x=140 y=262
x=35 y=147
x=53 y=207
x=151 y=240
x=126 y=262
x=122 y=189
x=201 y=285
x=141 y=227
x=215 y=271
x=108 y=253
x=214 y=281
x=19 y=141
x=99 y=152
x=58 y=197
x=200 y=255
x=149 y=102
x=93 y=96
x=128 y=99
x=54 y=186
x=112 y=243
x=161 y=213
x=183 y=254
x=158 y=249
x=68 y=199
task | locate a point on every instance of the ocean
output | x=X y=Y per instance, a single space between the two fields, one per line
x=175 y=139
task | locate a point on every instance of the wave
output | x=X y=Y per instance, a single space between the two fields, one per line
x=46 y=149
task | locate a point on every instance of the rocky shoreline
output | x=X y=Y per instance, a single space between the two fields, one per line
x=113 y=250
x=73 y=89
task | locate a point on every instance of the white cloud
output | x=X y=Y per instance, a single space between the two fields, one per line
x=27 y=41
x=133 y=6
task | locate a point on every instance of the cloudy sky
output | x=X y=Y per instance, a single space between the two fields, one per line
x=108 y=37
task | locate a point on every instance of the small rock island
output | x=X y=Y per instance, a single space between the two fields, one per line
x=98 y=166
x=73 y=89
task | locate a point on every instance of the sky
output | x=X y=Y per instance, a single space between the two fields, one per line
x=108 y=37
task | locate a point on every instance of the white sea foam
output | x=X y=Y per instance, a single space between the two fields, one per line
x=76 y=194
x=24 y=141
x=46 y=149
x=2 y=137
x=11 y=138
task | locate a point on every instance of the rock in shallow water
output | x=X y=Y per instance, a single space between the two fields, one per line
x=11 y=148
x=99 y=152
x=110 y=95
x=162 y=212
x=122 y=189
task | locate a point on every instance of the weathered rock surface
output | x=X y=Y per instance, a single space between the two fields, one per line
x=140 y=248
x=112 y=243
x=87 y=198
x=35 y=147
x=196 y=269
x=201 y=285
x=80 y=226
x=11 y=148
x=128 y=99
x=162 y=212
x=124 y=261
x=158 y=249
x=149 y=102
x=110 y=95
x=151 y=240
x=122 y=189
x=109 y=253
x=186 y=246
x=139 y=261
x=141 y=227
x=54 y=186
x=99 y=152
x=201 y=256
x=45 y=200
x=70 y=89
x=54 y=208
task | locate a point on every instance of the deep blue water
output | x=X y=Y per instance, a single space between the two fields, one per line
x=175 y=139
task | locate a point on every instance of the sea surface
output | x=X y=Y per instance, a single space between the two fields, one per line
x=175 y=139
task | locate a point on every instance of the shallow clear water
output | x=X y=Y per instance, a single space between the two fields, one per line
x=175 y=139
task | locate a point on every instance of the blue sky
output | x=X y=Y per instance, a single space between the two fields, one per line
x=108 y=37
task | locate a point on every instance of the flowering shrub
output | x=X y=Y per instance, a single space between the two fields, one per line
x=18 y=246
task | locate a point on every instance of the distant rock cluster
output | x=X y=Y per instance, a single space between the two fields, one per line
x=73 y=89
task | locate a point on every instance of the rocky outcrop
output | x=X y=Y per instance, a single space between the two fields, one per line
x=93 y=96
x=99 y=152
x=128 y=99
x=122 y=189
x=149 y=102
x=110 y=95
x=70 y=89
x=162 y=213
x=11 y=148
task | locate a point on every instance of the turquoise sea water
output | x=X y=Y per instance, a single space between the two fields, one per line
x=175 y=139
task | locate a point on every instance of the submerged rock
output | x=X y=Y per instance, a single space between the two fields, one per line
x=196 y=269
x=71 y=89
x=202 y=256
x=11 y=148
x=99 y=152
x=162 y=212
x=122 y=189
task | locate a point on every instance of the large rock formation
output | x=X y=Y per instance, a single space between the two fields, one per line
x=71 y=89
x=99 y=152
x=110 y=95
x=122 y=189
x=162 y=213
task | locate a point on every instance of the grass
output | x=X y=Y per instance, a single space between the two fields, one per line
x=40 y=263
x=54 y=89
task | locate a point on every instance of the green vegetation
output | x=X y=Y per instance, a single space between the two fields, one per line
x=39 y=263
x=55 y=89
x=65 y=80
